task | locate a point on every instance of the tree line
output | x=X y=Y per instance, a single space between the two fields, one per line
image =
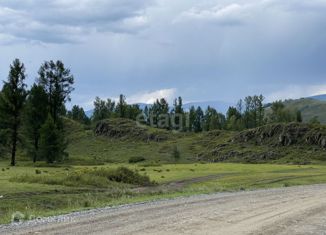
x=249 y=112
x=32 y=118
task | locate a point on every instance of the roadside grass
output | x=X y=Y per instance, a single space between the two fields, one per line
x=96 y=177
x=89 y=178
x=44 y=191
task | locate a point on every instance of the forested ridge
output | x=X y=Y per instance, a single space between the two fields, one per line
x=32 y=118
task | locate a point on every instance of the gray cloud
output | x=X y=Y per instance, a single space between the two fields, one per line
x=232 y=14
x=69 y=21
x=206 y=50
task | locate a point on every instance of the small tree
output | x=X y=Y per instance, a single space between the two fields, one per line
x=78 y=114
x=192 y=118
x=133 y=111
x=159 y=110
x=299 y=116
x=103 y=109
x=12 y=100
x=197 y=125
x=178 y=114
x=121 y=108
x=234 y=118
x=52 y=143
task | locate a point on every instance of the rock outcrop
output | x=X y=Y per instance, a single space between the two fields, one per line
x=128 y=129
x=284 y=135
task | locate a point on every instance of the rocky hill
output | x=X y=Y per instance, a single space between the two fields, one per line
x=278 y=143
x=127 y=129
x=118 y=140
x=285 y=135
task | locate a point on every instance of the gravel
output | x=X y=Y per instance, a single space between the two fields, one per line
x=292 y=210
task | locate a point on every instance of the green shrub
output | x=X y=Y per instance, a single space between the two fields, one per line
x=80 y=179
x=286 y=185
x=124 y=175
x=87 y=204
x=136 y=159
x=101 y=178
x=17 y=217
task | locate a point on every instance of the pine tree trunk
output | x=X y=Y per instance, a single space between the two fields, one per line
x=35 y=149
x=14 y=146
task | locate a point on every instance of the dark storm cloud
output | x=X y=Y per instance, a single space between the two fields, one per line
x=69 y=21
x=202 y=50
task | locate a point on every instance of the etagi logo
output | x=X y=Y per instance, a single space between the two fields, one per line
x=177 y=122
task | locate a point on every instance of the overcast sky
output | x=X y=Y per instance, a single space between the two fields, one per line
x=145 y=49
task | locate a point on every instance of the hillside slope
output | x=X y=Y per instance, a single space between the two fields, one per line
x=278 y=143
x=319 y=97
x=118 y=140
x=309 y=108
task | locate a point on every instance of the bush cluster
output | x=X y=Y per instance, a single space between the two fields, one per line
x=136 y=159
x=102 y=178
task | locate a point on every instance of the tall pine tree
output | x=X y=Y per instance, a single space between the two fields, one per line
x=122 y=106
x=57 y=82
x=198 y=122
x=12 y=100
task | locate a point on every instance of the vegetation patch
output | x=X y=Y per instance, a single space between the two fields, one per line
x=136 y=159
x=123 y=175
x=100 y=178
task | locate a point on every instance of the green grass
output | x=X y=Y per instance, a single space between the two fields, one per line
x=44 y=199
x=86 y=148
x=85 y=180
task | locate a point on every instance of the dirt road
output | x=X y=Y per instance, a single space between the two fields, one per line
x=297 y=210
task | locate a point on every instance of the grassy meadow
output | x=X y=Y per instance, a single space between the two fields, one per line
x=98 y=171
x=44 y=191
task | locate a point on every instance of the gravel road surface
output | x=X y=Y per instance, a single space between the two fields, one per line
x=295 y=210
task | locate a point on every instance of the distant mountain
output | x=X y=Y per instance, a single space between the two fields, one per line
x=220 y=106
x=143 y=105
x=319 y=97
x=89 y=113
